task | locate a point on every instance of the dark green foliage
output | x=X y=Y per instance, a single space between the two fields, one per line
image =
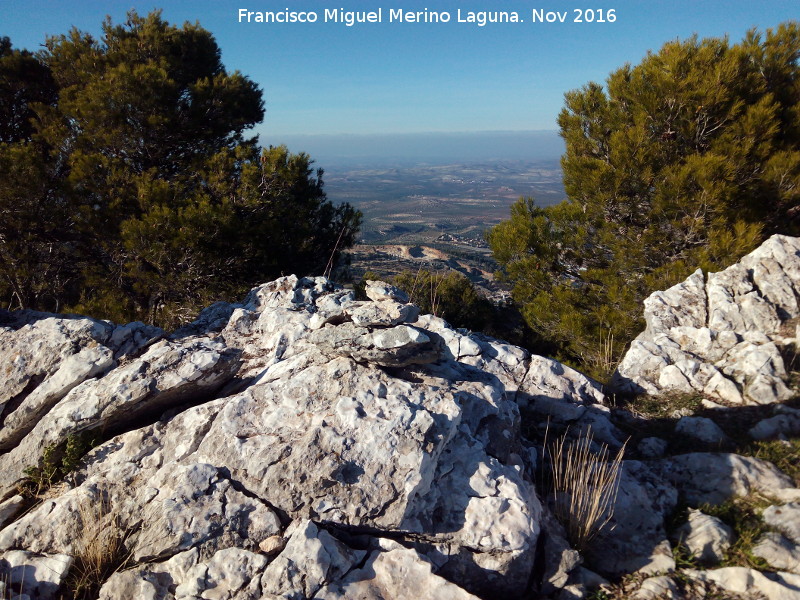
x=134 y=194
x=58 y=461
x=689 y=159
x=449 y=295
x=24 y=82
x=455 y=298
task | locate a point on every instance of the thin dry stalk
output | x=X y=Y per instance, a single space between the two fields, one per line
x=6 y=584
x=438 y=279
x=412 y=294
x=607 y=351
x=329 y=266
x=585 y=487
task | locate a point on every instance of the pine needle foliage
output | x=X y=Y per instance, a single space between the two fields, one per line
x=129 y=187
x=689 y=159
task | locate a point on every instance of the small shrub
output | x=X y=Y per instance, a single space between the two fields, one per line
x=361 y=286
x=683 y=557
x=58 y=461
x=41 y=478
x=449 y=295
x=585 y=486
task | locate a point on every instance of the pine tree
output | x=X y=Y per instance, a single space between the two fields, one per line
x=156 y=202
x=689 y=159
x=35 y=237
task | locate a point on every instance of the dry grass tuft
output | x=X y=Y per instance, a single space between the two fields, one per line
x=99 y=550
x=585 y=486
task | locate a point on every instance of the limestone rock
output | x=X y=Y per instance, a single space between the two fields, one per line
x=168 y=374
x=151 y=581
x=709 y=477
x=751 y=583
x=702 y=429
x=558 y=395
x=561 y=561
x=47 y=355
x=393 y=573
x=272 y=545
x=380 y=290
x=706 y=537
x=270 y=447
x=779 y=551
x=312 y=558
x=660 y=587
x=229 y=573
x=786 y=519
x=635 y=539
x=786 y=494
x=9 y=508
x=73 y=371
x=398 y=346
x=35 y=575
x=720 y=337
x=785 y=423
x=382 y=314
x=652 y=447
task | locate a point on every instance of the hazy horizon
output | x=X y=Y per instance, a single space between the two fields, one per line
x=423 y=147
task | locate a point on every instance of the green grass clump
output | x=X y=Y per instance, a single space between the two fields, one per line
x=665 y=407
x=743 y=515
x=784 y=454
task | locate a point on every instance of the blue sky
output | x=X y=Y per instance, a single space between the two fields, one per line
x=327 y=78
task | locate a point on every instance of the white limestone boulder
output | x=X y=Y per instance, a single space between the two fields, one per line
x=751 y=583
x=720 y=335
x=714 y=477
x=706 y=537
x=701 y=429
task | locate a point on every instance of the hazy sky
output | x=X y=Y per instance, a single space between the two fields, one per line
x=327 y=78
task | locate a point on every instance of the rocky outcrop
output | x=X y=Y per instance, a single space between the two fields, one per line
x=305 y=444
x=45 y=356
x=751 y=583
x=298 y=444
x=781 y=547
x=721 y=335
x=636 y=538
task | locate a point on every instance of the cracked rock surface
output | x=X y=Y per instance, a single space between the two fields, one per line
x=299 y=444
x=721 y=335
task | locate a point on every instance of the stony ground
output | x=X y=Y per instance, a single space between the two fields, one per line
x=303 y=444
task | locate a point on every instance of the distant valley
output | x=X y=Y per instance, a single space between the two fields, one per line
x=434 y=216
x=445 y=203
x=429 y=198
